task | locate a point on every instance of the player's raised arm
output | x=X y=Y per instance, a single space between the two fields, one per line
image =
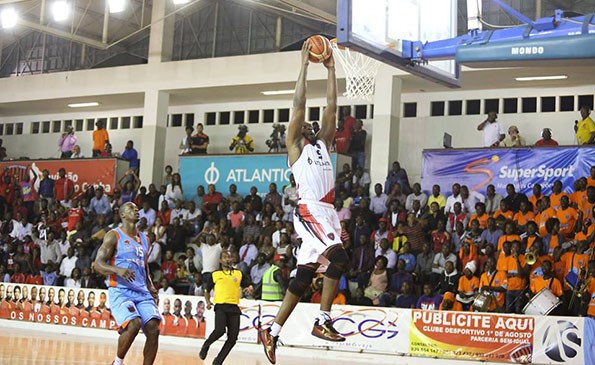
x=105 y=253
x=329 y=118
x=298 y=118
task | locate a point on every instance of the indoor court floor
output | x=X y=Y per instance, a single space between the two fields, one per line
x=27 y=347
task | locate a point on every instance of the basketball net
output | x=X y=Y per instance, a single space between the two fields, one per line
x=360 y=72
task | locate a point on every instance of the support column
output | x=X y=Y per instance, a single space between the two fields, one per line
x=152 y=146
x=161 y=38
x=385 y=133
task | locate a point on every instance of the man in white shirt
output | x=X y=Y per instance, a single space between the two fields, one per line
x=454 y=198
x=290 y=197
x=493 y=133
x=193 y=216
x=416 y=195
x=276 y=236
x=49 y=250
x=68 y=263
x=248 y=253
x=20 y=227
x=361 y=179
x=211 y=255
x=186 y=143
x=178 y=212
x=148 y=213
x=492 y=200
x=470 y=198
x=378 y=201
x=385 y=250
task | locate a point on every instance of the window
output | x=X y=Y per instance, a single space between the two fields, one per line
x=314 y=113
x=473 y=107
x=253 y=116
x=548 y=104
x=268 y=116
x=529 y=105
x=211 y=118
x=284 y=115
x=35 y=128
x=138 y=121
x=90 y=124
x=45 y=127
x=585 y=100
x=19 y=128
x=567 y=103
x=56 y=126
x=113 y=123
x=189 y=119
x=78 y=125
x=437 y=108
x=491 y=105
x=9 y=129
x=372 y=111
x=125 y=123
x=410 y=110
x=224 y=118
x=176 y=120
x=361 y=111
x=67 y=124
x=1 y=129
x=511 y=105
x=455 y=107
x=238 y=117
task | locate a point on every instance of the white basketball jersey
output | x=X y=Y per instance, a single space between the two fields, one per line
x=313 y=173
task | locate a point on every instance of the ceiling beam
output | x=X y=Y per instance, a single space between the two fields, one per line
x=62 y=34
x=323 y=15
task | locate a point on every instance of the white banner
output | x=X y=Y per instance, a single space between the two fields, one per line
x=559 y=340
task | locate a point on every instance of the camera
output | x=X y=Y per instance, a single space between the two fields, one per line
x=276 y=141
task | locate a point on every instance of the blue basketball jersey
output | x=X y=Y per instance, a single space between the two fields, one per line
x=131 y=253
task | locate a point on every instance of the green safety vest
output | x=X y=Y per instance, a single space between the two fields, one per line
x=271 y=290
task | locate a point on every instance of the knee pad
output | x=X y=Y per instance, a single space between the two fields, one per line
x=339 y=263
x=302 y=280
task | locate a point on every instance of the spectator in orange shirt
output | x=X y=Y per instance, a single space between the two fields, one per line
x=531 y=235
x=481 y=215
x=558 y=265
x=502 y=261
x=591 y=179
x=508 y=236
x=495 y=283
x=449 y=303
x=553 y=238
x=545 y=213
x=516 y=271
x=100 y=139
x=591 y=289
x=468 y=285
x=504 y=211
x=523 y=216
x=587 y=205
x=534 y=199
x=568 y=217
x=547 y=280
x=580 y=192
x=557 y=194
x=535 y=270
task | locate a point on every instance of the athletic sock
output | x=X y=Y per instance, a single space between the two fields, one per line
x=118 y=361
x=275 y=329
x=323 y=316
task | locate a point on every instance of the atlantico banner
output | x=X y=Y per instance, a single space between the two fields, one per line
x=83 y=172
x=522 y=167
x=245 y=171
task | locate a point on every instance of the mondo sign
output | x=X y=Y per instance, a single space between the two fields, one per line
x=244 y=171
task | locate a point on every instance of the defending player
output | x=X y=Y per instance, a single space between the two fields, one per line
x=316 y=220
x=123 y=259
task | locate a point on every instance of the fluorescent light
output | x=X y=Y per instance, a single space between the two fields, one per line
x=83 y=105
x=60 y=10
x=117 y=6
x=8 y=18
x=179 y=2
x=542 y=78
x=278 y=92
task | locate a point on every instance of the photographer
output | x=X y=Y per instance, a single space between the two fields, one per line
x=276 y=142
x=242 y=142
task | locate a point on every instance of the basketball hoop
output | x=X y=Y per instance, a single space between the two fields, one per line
x=360 y=72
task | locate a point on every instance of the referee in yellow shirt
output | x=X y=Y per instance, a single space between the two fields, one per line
x=227 y=283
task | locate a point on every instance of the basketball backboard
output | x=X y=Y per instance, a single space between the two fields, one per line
x=379 y=28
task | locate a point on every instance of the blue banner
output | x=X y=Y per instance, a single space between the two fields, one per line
x=589 y=338
x=522 y=167
x=243 y=170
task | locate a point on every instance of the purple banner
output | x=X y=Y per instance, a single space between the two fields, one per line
x=523 y=167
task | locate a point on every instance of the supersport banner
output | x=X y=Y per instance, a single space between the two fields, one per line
x=522 y=167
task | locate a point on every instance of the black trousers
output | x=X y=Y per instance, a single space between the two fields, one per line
x=226 y=316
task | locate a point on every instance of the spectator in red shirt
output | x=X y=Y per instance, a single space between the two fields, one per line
x=342 y=138
x=546 y=139
x=169 y=267
x=348 y=120
x=75 y=214
x=273 y=196
x=63 y=188
x=7 y=188
x=18 y=277
x=34 y=278
x=164 y=214
x=211 y=200
x=28 y=194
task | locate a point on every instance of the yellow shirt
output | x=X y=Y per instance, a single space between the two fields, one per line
x=441 y=200
x=227 y=286
x=243 y=145
x=585 y=128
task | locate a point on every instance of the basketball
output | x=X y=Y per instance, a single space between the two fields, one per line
x=320 y=49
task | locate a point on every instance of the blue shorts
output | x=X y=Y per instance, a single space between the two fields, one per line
x=127 y=305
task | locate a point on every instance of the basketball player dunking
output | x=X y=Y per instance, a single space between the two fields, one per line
x=132 y=297
x=316 y=219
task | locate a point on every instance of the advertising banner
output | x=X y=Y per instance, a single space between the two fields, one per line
x=244 y=171
x=522 y=167
x=83 y=172
x=473 y=336
x=560 y=340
